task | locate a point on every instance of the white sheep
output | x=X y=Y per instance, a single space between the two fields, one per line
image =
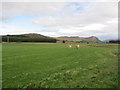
x=70 y=46
x=77 y=46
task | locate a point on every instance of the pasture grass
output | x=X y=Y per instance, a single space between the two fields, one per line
x=53 y=65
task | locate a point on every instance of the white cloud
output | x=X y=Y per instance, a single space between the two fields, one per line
x=32 y=8
x=92 y=13
x=114 y=21
x=11 y=29
x=98 y=19
x=59 y=0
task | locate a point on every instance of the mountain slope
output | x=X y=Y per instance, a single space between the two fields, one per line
x=81 y=39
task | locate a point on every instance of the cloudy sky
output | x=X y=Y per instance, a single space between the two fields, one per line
x=61 y=18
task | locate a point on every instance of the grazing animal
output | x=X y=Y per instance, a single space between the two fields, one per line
x=77 y=46
x=70 y=46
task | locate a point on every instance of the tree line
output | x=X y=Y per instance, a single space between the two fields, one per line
x=21 y=38
x=114 y=41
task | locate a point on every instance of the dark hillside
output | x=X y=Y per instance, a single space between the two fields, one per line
x=32 y=37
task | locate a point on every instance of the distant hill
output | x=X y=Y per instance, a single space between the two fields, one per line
x=80 y=39
x=31 y=37
x=35 y=35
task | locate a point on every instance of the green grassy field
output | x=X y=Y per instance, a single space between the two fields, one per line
x=48 y=65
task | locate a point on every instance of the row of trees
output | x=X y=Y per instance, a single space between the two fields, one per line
x=114 y=41
x=80 y=41
x=26 y=39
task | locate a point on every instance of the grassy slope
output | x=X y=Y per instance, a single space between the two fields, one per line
x=56 y=65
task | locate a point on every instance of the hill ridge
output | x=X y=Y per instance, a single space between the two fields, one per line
x=85 y=39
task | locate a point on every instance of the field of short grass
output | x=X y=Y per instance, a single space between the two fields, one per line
x=51 y=65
